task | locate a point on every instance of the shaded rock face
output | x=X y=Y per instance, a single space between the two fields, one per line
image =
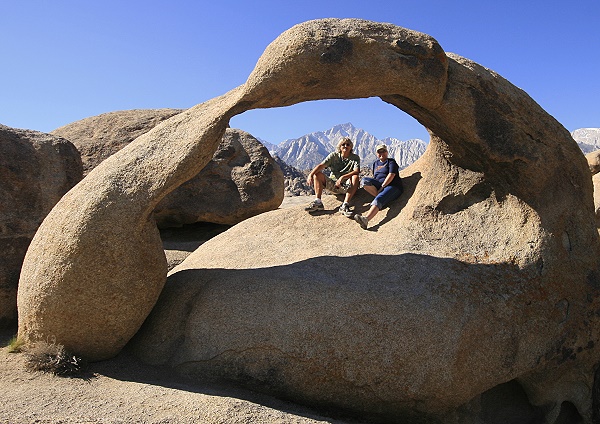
x=482 y=276
x=36 y=170
x=239 y=182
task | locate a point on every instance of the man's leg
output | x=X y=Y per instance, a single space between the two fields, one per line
x=349 y=190
x=352 y=189
x=318 y=184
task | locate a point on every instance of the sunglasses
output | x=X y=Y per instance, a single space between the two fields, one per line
x=346 y=144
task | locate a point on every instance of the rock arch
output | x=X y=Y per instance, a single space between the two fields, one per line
x=95 y=268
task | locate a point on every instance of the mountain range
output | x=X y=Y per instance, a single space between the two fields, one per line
x=306 y=152
x=588 y=139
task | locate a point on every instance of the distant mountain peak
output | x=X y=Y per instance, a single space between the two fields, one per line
x=309 y=150
x=588 y=139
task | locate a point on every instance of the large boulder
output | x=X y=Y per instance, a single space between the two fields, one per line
x=240 y=181
x=36 y=170
x=484 y=273
x=99 y=137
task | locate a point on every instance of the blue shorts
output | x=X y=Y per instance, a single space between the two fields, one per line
x=387 y=195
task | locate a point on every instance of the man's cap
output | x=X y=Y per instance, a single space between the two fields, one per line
x=381 y=147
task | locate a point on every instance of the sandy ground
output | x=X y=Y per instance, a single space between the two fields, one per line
x=122 y=390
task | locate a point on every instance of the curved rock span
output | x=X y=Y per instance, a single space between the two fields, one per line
x=241 y=180
x=484 y=274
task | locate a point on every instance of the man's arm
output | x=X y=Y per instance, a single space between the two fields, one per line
x=349 y=174
x=340 y=180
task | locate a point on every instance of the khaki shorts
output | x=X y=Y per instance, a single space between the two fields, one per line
x=330 y=186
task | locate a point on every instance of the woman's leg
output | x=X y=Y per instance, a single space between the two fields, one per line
x=386 y=195
x=371 y=185
x=372 y=190
x=371 y=212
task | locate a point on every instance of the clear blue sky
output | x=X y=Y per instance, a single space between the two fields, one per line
x=65 y=60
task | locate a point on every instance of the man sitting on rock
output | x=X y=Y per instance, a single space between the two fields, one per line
x=345 y=167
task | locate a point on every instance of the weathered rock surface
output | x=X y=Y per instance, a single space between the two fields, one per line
x=593 y=160
x=484 y=272
x=36 y=169
x=99 y=137
x=240 y=181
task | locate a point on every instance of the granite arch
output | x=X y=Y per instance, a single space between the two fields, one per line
x=96 y=267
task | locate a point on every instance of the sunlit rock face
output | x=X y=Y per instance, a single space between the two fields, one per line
x=482 y=276
x=593 y=160
x=241 y=180
x=99 y=137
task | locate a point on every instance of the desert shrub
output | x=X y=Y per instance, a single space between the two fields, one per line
x=52 y=358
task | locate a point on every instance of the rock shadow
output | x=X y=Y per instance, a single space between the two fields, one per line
x=126 y=367
x=191 y=236
x=272 y=295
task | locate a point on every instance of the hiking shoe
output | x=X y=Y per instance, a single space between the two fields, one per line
x=362 y=221
x=314 y=206
x=345 y=210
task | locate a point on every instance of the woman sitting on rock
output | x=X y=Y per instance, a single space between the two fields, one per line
x=385 y=185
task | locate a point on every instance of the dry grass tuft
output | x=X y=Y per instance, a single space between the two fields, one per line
x=52 y=358
x=15 y=345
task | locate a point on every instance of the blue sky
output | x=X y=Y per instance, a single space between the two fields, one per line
x=62 y=61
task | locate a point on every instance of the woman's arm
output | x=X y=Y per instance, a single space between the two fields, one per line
x=388 y=180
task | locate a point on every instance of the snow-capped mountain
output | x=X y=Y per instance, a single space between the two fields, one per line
x=588 y=139
x=309 y=150
x=270 y=146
